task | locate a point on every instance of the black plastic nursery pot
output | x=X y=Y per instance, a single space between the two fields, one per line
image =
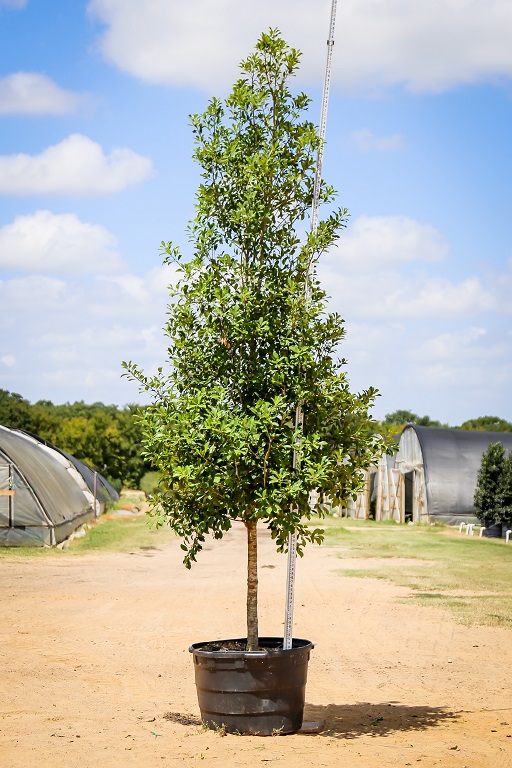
x=252 y=692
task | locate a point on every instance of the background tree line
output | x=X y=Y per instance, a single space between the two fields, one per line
x=109 y=438
x=105 y=437
x=393 y=423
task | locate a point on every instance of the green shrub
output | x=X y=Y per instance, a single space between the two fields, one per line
x=489 y=483
x=505 y=492
x=116 y=483
x=149 y=483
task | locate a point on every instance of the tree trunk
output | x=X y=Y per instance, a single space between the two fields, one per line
x=252 y=586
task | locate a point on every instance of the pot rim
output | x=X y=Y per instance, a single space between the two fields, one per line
x=298 y=645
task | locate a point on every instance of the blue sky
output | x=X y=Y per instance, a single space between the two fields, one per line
x=95 y=171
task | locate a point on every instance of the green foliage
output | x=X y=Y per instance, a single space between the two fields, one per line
x=149 y=483
x=105 y=437
x=395 y=422
x=15 y=411
x=489 y=480
x=504 y=500
x=488 y=424
x=248 y=332
x=116 y=483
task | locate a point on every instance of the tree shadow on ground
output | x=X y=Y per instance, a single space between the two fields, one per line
x=350 y=721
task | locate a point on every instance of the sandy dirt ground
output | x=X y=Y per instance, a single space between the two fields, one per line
x=94 y=653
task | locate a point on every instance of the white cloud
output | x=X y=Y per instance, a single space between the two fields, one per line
x=384 y=297
x=34 y=94
x=364 y=279
x=416 y=327
x=16 y=4
x=502 y=280
x=448 y=359
x=450 y=344
x=76 y=166
x=142 y=289
x=47 y=243
x=27 y=298
x=134 y=288
x=366 y=141
x=71 y=334
x=8 y=360
x=430 y=46
x=452 y=375
x=436 y=297
x=384 y=242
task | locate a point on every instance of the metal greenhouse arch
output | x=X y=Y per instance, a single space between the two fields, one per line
x=45 y=494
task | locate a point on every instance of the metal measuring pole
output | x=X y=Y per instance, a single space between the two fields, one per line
x=299 y=415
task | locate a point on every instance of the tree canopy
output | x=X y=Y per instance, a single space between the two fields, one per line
x=488 y=424
x=505 y=492
x=395 y=422
x=249 y=333
x=489 y=482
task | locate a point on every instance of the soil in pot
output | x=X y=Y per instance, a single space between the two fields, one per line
x=252 y=692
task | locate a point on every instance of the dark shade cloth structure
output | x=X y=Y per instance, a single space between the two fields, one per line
x=442 y=466
x=45 y=494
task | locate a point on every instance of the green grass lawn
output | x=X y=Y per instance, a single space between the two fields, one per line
x=121 y=535
x=468 y=576
x=107 y=534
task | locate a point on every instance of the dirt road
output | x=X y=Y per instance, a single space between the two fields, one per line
x=95 y=653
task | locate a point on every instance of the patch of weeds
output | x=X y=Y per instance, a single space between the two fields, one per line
x=430 y=595
x=489 y=610
x=177 y=717
x=220 y=730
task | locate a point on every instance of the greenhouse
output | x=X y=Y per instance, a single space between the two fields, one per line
x=45 y=494
x=432 y=476
x=440 y=469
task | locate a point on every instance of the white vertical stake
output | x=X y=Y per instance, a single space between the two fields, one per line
x=96 y=513
x=292 y=538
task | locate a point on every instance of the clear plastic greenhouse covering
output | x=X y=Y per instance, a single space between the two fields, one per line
x=448 y=460
x=95 y=482
x=104 y=491
x=44 y=494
